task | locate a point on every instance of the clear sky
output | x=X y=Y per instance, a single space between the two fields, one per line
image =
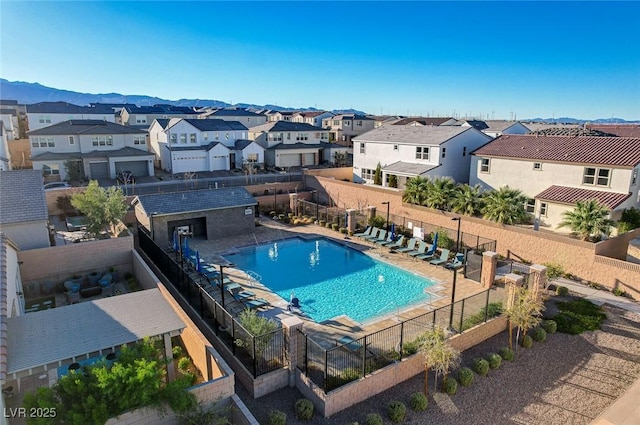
x=555 y=59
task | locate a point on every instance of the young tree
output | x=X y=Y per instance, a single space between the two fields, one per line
x=589 y=219
x=103 y=207
x=393 y=180
x=72 y=168
x=524 y=312
x=504 y=206
x=377 y=175
x=467 y=200
x=438 y=354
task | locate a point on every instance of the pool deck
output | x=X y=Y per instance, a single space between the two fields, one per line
x=329 y=331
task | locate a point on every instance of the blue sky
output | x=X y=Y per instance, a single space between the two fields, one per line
x=498 y=59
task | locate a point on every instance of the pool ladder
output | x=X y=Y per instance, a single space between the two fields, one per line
x=253 y=278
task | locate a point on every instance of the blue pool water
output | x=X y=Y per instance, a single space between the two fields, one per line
x=332 y=280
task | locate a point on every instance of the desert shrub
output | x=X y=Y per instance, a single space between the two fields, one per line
x=492 y=310
x=465 y=376
x=373 y=419
x=349 y=374
x=343 y=230
x=507 y=354
x=304 y=409
x=562 y=291
x=539 y=334
x=526 y=342
x=418 y=402
x=480 y=366
x=450 y=386
x=335 y=226
x=322 y=223
x=176 y=350
x=621 y=293
x=397 y=411
x=328 y=225
x=578 y=316
x=554 y=271
x=494 y=360
x=377 y=221
x=411 y=347
x=277 y=417
x=184 y=364
x=550 y=326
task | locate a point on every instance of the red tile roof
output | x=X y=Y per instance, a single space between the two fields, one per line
x=626 y=130
x=621 y=151
x=571 y=195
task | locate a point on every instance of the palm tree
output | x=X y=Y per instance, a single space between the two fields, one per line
x=504 y=206
x=467 y=200
x=415 y=190
x=438 y=355
x=524 y=312
x=589 y=219
x=440 y=192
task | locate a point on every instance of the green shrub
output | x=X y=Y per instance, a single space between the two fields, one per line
x=343 y=230
x=526 y=342
x=304 y=409
x=377 y=221
x=621 y=293
x=335 y=226
x=397 y=411
x=494 y=360
x=277 y=417
x=183 y=364
x=450 y=386
x=492 y=310
x=465 y=376
x=349 y=374
x=550 y=326
x=562 y=291
x=418 y=402
x=328 y=225
x=373 y=419
x=480 y=366
x=539 y=334
x=322 y=223
x=411 y=347
x=554 y=271
x=507 y=354
x=176 y=350
x=578 y=316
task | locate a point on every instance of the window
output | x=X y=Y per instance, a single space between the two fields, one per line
x=359 y=123
x=72 y=140
x=324 y=136
x=216 y=136
x=537 y=166
x=183 y=138
x=174 y=138
x=530 y=205
x=192 y=138
x=634 y=177
x=347 y=123
x=274 y=137
x=444 y=152
x=205 y=136
x=596 y=176
x=464 y=151
x=139 y=139
x=395 y=147
x=252 y=157
x=422 y=152
x=102 y=140
x=367 y=174
x=485 y=165
x=51 y=169
x=336 y=122
x=362 y=149
x=43 y=142
x=141 y=120
x=288 y=136
x=44 y=119
x=302 y=136
x=226 y=136
x=543 y=209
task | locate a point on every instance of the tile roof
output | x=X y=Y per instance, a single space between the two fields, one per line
x=352 y=117
x=55 y=156
x=422 y=120
x=500 y=125
x=276 y=126
x=194 y=200
x=126 y=151
x=626 y=130
x=234 y=113
x=5 y=111
x=196 y=148
x=22 y=196
x=163 y=122
x=85 y=127
x=571 y=195
x=214 y=125
x=243 y=143
x=59 y=334
x=414 y=135
x=570 y=131
x=67 y=108
x=411 y=168
x=8 y=102
x=299 y=145
x=620 y=151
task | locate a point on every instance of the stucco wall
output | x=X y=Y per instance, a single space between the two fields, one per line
x=28 y=235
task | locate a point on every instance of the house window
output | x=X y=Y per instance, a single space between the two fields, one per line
x=347 y=123
x=44 y=119
x=537 y=166
x=596 y=176
x=359 y=123
x=252 y=157
x=362 y=149
x=183 y=138
x=444 y=152
x=102 y=140
x=367 y=174
x=43 y=142
x=192 y=138
x=422 y=152
x=543 y=209
x=395 y=147
x=302 y=136
x=288 y=136
x=485 y=165
x=324 y=136
x=141 y=120
x=530 y=205
x=634 y=177
x=226 y=136
x=464 y=151
x=51 y=169
x=139 y=139
x=336 y=122
x=72 y=140
x=205 y=136
x=216 y=136
x=174 y=138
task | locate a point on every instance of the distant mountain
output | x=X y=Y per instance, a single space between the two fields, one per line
x=566 y=120
x=27 y=93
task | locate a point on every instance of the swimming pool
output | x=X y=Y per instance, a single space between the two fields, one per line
x=331 y=280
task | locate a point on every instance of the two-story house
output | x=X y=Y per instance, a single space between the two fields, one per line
x=344 y=127
x=555 y=172
x=408 y=151
x=417 y=121
x=311 y=117
x=5 y=153
x=497 y=128
x=45 y=114
x=246 y=118
x=192 y=145
x=292 y=144
x=90 y=149
x=142 y=116
x=9 y=118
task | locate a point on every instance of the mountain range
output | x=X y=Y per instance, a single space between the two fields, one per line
x=27 y=93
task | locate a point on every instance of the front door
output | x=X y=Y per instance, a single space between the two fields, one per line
x=232 y=161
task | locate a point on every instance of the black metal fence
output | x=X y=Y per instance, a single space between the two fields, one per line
x=350 y=360
x=259 y=354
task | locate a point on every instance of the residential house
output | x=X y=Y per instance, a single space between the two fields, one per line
x=5 y=154
x=95 y=150
x=158 y=138
x=497 y=128
x=410 y=151
x=281 y=115
x=12 y=292
x=555 y=172
x=246 y=118
x=620 y=130
x=9 y=118
x=344 y=127
x=380 y=120
x=416 y=121
x=142 y=116
x=24 y=216
x=45 y=114
x=192 y=145
x=292 y=144
x=311 y=117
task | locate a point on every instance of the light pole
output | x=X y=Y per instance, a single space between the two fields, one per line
x=387 y=204
x=315 y=198
x=453 y=297
x=222 y=284
x=458 y=235
x=180 y=235
x=274 y=201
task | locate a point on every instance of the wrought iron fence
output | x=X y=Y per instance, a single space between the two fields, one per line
x=350 y=360
x=259 y=354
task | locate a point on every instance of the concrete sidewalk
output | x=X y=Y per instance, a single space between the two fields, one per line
x=598 y=296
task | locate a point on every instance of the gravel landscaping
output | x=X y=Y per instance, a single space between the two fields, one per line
x=566 y=380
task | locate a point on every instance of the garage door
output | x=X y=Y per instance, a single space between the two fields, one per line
x=138 y=168
x=309 y=159
x=99 y=170
x=289 y=160
x=219 y=162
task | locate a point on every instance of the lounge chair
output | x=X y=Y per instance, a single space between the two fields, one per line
x=387 y=241
x=366 y=232
x=382 y=236
x=256 y=304
x=396 y=244
x=422 y=248
x=411 y=245
x=457 y=263
x=242 y=296
x=374 y=234
x=444 y=257
x=427 y=255
x=372 y=231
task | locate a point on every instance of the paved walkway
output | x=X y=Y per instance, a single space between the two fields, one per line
x=598 y=296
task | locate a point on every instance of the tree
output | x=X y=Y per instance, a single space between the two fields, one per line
x=72 y=168
x=438 y=354
x=439 y=193
x=415 y=190
x=103 y=207
x=377 y=175
x=393 y=180
x=589 y=219
x=467 y=200
x=504 y=206
x=524 y=312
